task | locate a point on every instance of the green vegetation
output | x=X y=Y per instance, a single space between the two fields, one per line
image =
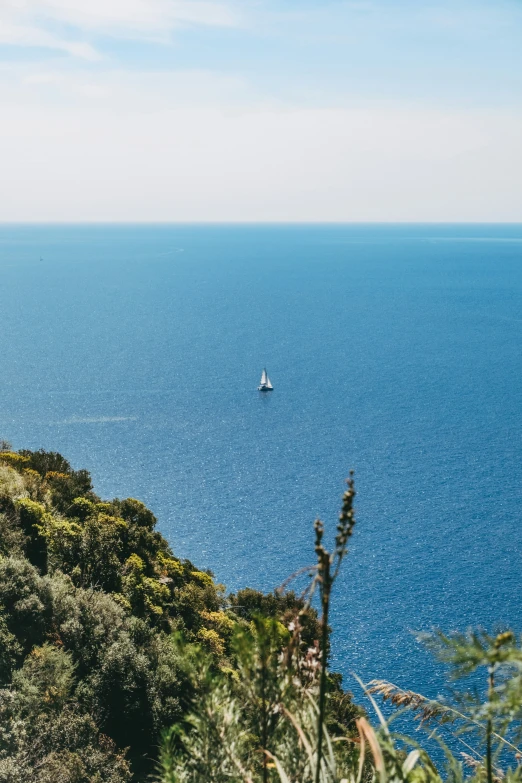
x=120 y=662
x=103 y=630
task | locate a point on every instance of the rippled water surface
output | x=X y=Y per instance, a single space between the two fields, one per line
x=394 y=350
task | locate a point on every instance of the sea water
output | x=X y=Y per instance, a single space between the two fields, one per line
x=394 y=350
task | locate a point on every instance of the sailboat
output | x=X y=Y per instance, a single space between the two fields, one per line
x=264 y=384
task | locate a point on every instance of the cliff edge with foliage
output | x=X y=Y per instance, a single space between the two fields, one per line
x=99 y=626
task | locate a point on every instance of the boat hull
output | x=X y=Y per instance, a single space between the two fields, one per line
x=264 y=388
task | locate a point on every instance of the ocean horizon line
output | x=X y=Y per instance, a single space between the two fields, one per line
x=260 y=223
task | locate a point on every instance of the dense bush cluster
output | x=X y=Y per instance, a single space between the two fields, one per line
x=102 y=629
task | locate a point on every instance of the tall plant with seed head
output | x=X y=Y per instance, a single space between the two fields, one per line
x=328 y=565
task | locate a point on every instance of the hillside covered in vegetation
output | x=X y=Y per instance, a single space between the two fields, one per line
x=102 y=629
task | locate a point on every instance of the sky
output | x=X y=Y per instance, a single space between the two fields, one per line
x=260 y=110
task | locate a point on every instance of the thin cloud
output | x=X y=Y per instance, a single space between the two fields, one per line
x=136 y=15
x=33 y=23
x=30 y=36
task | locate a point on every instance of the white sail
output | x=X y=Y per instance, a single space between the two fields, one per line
x=264 y=383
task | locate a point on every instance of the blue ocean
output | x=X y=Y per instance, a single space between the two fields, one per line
x=394 y=350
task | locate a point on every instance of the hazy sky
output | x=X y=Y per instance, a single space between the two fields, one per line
x=247 y=110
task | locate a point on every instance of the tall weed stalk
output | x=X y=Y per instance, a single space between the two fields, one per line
x=328 y=565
